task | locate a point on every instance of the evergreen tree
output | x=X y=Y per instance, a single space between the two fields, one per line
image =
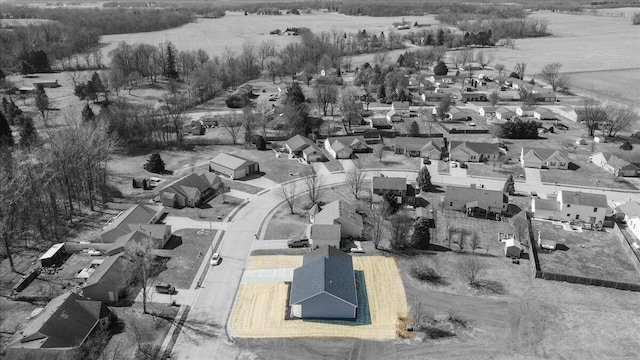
x=40 y=61
x=261 y=143
x=382 y=92
x=414 y=129
x=87 y=113
x=155 y=164
x=440 y=69
x=424 y=179
x=421 y=237
x=41 y=102
x=6 y=138
x=28 y=133
x=510 y=186
x=97 y=84
x=170 y=70
x=25 y=68
x=295 y=95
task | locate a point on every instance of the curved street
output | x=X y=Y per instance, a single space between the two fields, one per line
x=212 y=303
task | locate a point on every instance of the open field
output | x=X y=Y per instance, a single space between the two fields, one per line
x=613 y=85
x=260 y=309
x=230 y=32
x=592 y=254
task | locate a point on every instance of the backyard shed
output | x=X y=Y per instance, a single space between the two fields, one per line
x=512 y=247
x=53 y=255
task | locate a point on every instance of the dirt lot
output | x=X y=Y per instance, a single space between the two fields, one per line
x=260 y=309
x=594 y=254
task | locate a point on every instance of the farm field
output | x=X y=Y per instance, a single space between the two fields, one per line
x=614 y=85
x=215 y=36
x=592 y=254
x=260 y=309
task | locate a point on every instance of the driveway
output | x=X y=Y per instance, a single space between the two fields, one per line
x=181 y=222
x=533 y=176
x=347 y=165
x=261 y=182
x=321 y=169
x=458 y=172
x=270 y=244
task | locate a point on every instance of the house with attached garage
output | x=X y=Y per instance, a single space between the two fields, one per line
x=342 y=213
x=130 y=220
x=458 y=114
x=433 y=97
x=572 y=205
x=324 y=235
x=378 y=122
x=472 y=199
x=541 y=113
x=401 y=108
x=487 y=111
x=505 y=114
x=403 y=192
x=543 y=94
x=393 y=116
x=467 y=151
x=473 y=96
x=631 y=213
x=342 y=147
x=324 y=287
x=304 y=148
x=57 y=332
x=233 y=166
x=189 y=190
x=614 y=164
x=525 y=110
x=106 y=282
x=416 y=146
x=568 y=112
x=544 y=158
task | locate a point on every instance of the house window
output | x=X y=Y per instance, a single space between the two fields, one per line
x=568 y=205
x=568 y=215
x=577 y=216
x=562 y=164
x=451 y=204
x=595 y=209
x=552 y=163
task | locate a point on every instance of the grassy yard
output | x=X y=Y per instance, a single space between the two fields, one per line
x=594 y=254
x=188 y=248
x=390 y=160
x=284 y=225
x=488 y=170
x=214 y=210
x=241 y=186
x=585 y=174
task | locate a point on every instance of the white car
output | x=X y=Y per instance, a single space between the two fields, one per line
x=154 y=181
x=358 y=250
x=215 y=259
x=472 y=124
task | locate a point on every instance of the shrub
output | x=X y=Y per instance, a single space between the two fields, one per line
x=261 y=143
x=440 y=69
x=626 y=146
x=155 y=164
x=423 y=272
x=236 y=101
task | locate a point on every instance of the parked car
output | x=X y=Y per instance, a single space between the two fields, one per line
x=463 y=166
x=154 y=181
x=534 y=194
x=215 y=259
x=295 y=243
x=358 y=250
x=165 y=288
x=426 y=161
x=472 y=124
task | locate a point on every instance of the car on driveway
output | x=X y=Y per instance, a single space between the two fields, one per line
x=165 y=288
x=295 y=243
x=215 y=259
x=426 y=161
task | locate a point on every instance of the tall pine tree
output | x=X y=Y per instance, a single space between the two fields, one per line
x=510 y=186
x=170 y=70
x=6 y=138
x=28 y=133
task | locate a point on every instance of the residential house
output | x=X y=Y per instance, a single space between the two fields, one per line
x=487 y=111
x=614 y=164
x=505 y=114
x=401 y=108
x=544 y=158
x=130 y=219
x=472 y=199
x=512 y=247
x=60 y=329
x=393 y=116
x=458 y=114
x=189 y=190
x=441 y=80
x=572 y=205
x=422 y=147
x=379 y=122
x=107 y=283
x=343 y=147
x=473 y=96
x=631 y=211
x=404 y=193
x=542 y=113
x=344 y=214
x=158 y=233
x=467 y=151
x=543 y=94
x=55 y=255
x=233 y=166
x=196 y=127
x=48 y=83
x=525 y=110
x=568 y=112
x=433 y=97
x=304 y=148
x=324 y=287
x=324 y=235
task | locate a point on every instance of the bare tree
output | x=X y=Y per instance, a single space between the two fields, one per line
x=593 y=114
x=289 y=193
x=378 y=151
x=499 y=68
x=233 y=126
x=355 y=179
x=401 y=224
x=520 y=69
x=326 y=95
x=470 y=268
x=494 y=97
x=313 y=182
x=618 y=119
x=551 y=74
x=483 y=60
x=377 y=223
x=140 y=253
x=475 y=242
x=249 y=123
x=510 y=43
x=381 y=58
x=521 y=225
x=467 y=56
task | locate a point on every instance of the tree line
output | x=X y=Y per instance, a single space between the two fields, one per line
x=49 y=180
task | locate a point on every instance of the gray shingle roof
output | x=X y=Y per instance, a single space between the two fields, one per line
x=324 y=270
x=389 y=183
x=585 y=199
x=233 y=162
x=483 y=197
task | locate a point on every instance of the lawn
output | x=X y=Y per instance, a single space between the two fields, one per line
x=585 y=174
x=214 y=210
x=390 y=160
x=188 y=247
x=241 y=186
x=260 y=309
x=284 y=225
x=591 y=254
x=498 y=171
